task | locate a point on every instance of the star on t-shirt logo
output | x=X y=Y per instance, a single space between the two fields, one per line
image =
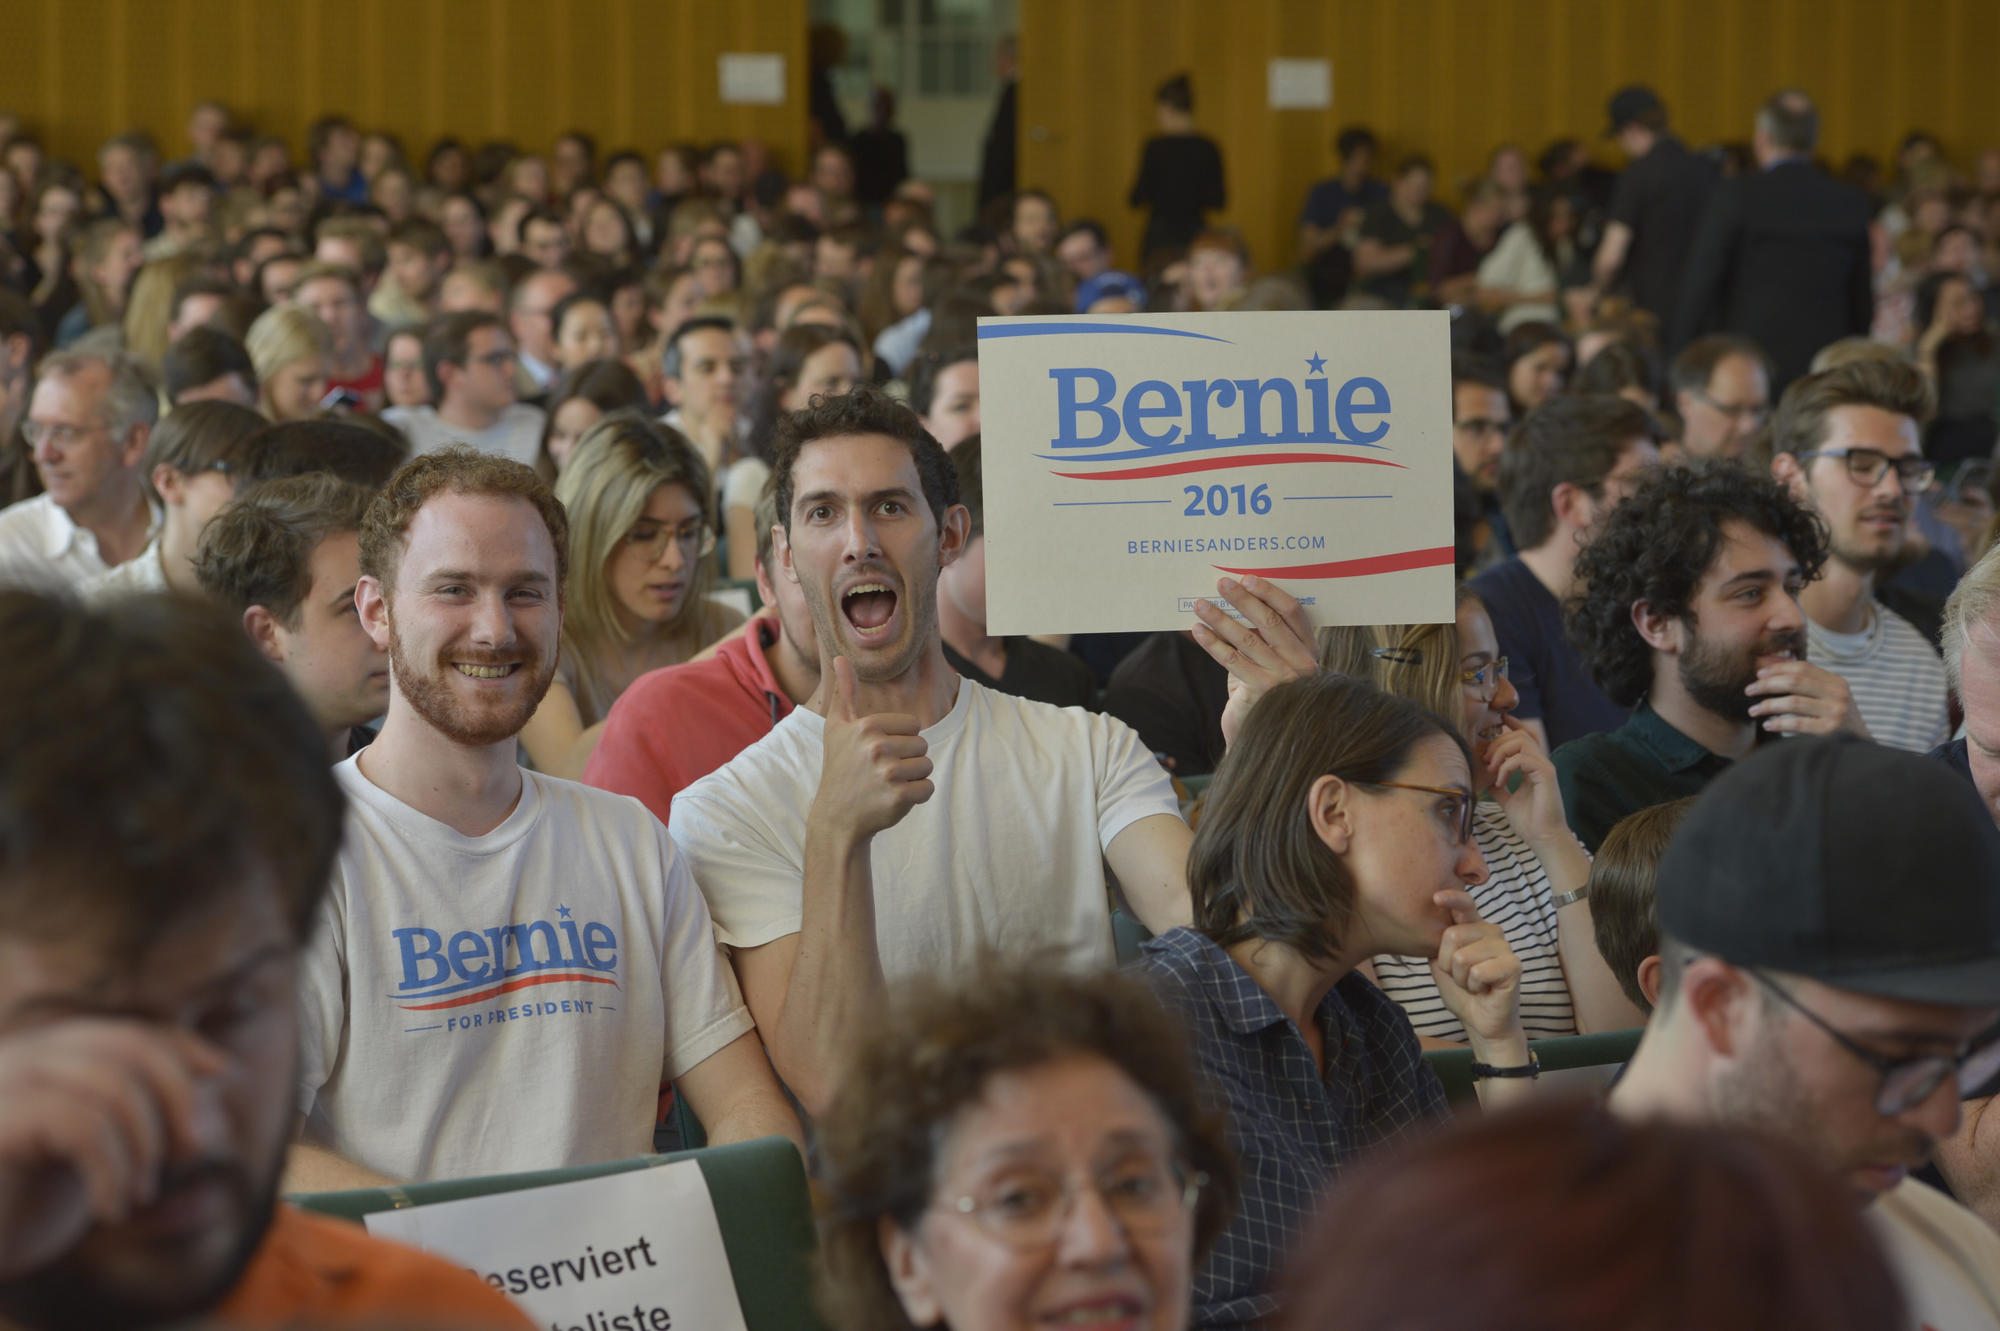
x=1316 y=364
x=562 y=912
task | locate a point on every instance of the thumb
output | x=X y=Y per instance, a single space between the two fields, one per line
x=840 y=705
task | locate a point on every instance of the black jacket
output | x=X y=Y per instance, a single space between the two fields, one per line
x=1780 y=257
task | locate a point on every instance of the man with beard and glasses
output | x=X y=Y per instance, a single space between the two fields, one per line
x=1688 y=613
x=508 y=967
x=148 y=979
x=1830 y=947
x=905 y=820
x=1849 y=443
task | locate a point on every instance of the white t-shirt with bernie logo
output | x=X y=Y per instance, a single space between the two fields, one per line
x=507 y=1002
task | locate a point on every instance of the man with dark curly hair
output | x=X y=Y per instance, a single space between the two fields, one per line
x=1688 y=612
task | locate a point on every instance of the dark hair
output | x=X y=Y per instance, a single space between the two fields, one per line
x=420 y=233
x=535 y=214
x=583 y=295
x=201 y=356
x=1980 y=344
x=1353 y=139
x=796 y=345
x=1470 y=369
x=924 y=372
x=670 y=355
x=258 y=550
x=1573 y=440
x=1790 y=120
x=1085 y=226
x=1656 y=547
x=448 y=341
x=971 y=484
x=607 y=383
x=1607 y=1224
x=1525 y=339
x=1415 y=162
x=154 y=762
x=1891 y=385
x=1257 y=869
x=1177 y=92
x=1624 y=917
x=368 y=456
x=933 y=1054
x=1618 y=366
x=199 y=436
x=1695 y=365
x=867 y=410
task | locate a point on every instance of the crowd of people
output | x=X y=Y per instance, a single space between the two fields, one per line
x=496 y=649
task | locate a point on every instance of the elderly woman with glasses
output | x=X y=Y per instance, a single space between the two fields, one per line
x=1019 y=1147
x=642 y=540
x=1338 y=827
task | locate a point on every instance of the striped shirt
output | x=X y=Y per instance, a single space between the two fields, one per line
x=1895 y=675
x=1516 y=896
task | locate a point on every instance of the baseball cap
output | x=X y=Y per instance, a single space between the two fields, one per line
x=1628 y=104
x=1108 y=284
x=1862 y=867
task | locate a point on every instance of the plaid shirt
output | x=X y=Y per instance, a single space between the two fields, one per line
x=1293 y=1130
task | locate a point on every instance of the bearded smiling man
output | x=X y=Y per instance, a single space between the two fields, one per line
x=1689 y=613
x=508 y=967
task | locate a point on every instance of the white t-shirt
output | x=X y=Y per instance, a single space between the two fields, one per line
x=1896 y=676
x=43 y=550
x=1518 y=264
x=514 y=1001
x=1947 y=1258
x=1516 y=896
x=135 y=577
x=517 y=434
x=1006 y=855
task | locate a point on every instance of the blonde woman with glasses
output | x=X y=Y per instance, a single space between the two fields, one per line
x=641 y=562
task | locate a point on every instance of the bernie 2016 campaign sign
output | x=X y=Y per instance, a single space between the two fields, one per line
x=1130 y=462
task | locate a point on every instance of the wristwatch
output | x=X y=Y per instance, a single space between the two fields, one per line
x=1487 y=1072
x=1571 y=898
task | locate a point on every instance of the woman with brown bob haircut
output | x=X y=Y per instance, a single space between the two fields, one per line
x=1019 y=1144
x=1564 y=1218
x=1338 y=827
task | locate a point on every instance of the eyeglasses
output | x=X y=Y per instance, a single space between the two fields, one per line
x=506 y=357
x=1754 y=412
x=1028 y=1212
x=1487 y=678
x=1865 y=466
x=1457 y=814
x=62 y=436
x=1479 y=425
x=1907 y=1082
x=695 y=538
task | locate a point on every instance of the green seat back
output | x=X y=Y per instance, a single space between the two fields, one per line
x=1604 y=1049
x=761 y=1204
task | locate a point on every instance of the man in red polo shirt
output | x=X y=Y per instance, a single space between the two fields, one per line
x=676 y=725
x=167 y=825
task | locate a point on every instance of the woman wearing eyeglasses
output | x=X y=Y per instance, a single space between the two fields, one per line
x=1535 y=867
x=1019 y=1147
x=641 y=540
x=1338 y=827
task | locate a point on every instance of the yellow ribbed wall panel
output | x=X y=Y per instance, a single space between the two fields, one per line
x=640 y=72
x=1456 y=77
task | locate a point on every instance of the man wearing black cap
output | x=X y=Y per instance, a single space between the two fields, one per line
x=1654 y=209
x=1830 y=940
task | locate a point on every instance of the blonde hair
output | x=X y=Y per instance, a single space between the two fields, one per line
x=1414 y=661
x=284 y=334
x=612 y=474
x=150 y=308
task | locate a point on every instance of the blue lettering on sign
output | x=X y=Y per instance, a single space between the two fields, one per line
x=435 y=966
x=1093 y=411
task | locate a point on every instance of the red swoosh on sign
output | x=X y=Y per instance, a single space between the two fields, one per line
x=1356 y=568
x=1216 y=464
x=484 y=994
